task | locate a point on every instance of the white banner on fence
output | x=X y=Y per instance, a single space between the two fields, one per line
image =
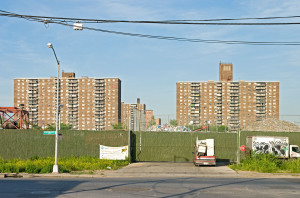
x=113 y=153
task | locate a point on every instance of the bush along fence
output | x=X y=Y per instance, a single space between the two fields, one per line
x=145 y=146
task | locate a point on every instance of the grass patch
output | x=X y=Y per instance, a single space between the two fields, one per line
x=66 y=165
x=267 y=163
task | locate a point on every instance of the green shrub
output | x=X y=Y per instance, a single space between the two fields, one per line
x=267 y=163
x=88 y=163
x=291 y=166
x=264 y=163
x=66 y=165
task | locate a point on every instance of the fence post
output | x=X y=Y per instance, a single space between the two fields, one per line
x=129 y=139
x=129 y=146
x=238 y=146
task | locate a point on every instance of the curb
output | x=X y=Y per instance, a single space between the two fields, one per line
x=11 y=175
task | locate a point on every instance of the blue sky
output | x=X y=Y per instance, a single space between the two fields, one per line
x=149 y=68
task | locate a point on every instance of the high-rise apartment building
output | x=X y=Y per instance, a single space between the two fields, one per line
x=149 y=118
x=134 y=116
x=86 y=103
x=230 y=103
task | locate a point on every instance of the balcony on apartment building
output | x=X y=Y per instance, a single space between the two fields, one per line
x=195 y=115
x=99 y=91
x=72 y=119
x=100 y=97
x=72 y=103
x=260 y=95
x=33 y=105
x=97 y=105
x=32 y=84
x=99 y=102
x=260 y=84
x=99 y=85
x=99 y=113
x=260 y=88
x=72 y=100
x=193 y=90
x=234 y=100
x=72 y=86
x=33 y=101
x=234 y=109
x=219 y=112
x=72 y=92
x=72 y=114
x=195 y=100
x=234 y=86
x=33 y=91
x=73 y=109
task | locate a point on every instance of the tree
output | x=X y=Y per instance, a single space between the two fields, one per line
x=118 y=126
x=152 y=121
x=52 y=127
x=173 y=122
x=36 y=127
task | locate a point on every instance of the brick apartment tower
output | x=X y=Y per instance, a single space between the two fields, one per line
x=88 y=103
x=225 y=72
x=134 y=116
x=234 y=104
x=149 y=115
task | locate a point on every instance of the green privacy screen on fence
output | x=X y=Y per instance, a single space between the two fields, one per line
x=145 y=146
x=178 y=146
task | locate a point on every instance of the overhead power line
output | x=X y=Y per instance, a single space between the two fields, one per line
x=170 y=22
x=186 y=39
x=65 y=21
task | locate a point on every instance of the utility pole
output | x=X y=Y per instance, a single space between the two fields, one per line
x=55 y=166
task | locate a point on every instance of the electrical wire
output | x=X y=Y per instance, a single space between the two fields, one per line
x=186 y=39
x=64 y=21
x=169 y=22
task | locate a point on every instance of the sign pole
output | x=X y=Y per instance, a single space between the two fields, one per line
x=129 y=138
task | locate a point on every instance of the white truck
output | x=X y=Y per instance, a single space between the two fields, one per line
x=272 y=144
x=204 y=152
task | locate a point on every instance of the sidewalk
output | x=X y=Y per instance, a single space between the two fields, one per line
x=162 y=169
x=169 y=169
x=146 y=169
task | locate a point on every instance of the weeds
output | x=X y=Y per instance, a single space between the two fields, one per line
x=267 y=163
x=66 y=165
x=291 y=166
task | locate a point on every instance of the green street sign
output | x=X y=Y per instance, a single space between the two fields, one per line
x=49 y=132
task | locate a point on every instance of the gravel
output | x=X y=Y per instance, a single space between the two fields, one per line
x=272 y=125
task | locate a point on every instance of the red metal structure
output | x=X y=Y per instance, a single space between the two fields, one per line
x=14 y=118
x=204 y=127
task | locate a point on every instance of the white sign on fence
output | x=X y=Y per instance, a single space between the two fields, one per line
x=113 y=153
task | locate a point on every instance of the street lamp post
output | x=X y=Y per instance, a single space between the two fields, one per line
x=55 y=166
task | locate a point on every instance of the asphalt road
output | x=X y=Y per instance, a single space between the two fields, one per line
x=150 y=179
x=149 y=187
